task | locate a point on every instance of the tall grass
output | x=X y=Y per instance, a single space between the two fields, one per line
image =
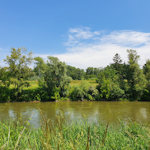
x=62 y=135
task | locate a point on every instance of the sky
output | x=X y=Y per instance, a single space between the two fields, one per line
x=82 y=33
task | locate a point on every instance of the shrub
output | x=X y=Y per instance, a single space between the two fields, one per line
x=84 y=91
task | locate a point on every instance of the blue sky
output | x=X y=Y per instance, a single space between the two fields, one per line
x=72 y=29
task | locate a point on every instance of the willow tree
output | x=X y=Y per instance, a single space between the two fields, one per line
x=40 y=67
x=55 y=78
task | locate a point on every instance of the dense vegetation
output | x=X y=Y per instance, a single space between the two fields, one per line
x=80 y=136
x=54 y=79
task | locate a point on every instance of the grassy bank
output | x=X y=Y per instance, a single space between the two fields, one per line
x=34 y=84
x=78 y=82
x=75 y=91
x=75 y=136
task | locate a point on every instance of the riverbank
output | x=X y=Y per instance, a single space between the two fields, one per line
x=78 y=90
x=59 y=134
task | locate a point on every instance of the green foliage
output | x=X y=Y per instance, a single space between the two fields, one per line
x=117 y=81
x=18 y=70
x=4 y=76
x=117 y=65
x=75 y=73
x=92 y=72
x=40 y=67
x=4 y=94
x=136 y=79
x=146 y=70
x=55 y=79
x=122 y=71
x=83 y=91
x=108 y=85
x=117 y=59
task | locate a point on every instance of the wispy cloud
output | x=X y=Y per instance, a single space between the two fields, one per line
x=85 y=47
x=127 y=38
x=77 y=36
x=96 y=48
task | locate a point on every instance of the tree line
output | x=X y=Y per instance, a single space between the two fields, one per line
x=117 y=81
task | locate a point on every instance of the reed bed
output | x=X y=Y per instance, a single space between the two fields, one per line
x=63 y=135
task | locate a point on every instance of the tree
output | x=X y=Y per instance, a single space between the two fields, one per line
x=4 y=85
x=108 y=85
x=40 y=67
x=75 y=73
x=19 y=70
x=83 y=91
x=136 y=78
x=92 y=72
x=4 y=77
x=117 y=61
x=122 y=70
x=146 y=70
x=56 y=80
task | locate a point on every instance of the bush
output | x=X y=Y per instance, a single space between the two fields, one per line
x=4 y=94
x=84 y=91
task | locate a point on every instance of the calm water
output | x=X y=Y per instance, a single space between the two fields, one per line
x=92 y=111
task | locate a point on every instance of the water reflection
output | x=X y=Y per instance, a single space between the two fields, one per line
x=110 y=112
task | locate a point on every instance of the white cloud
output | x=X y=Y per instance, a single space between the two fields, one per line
x=131 y=38
x=87 y=48
x=78 y=35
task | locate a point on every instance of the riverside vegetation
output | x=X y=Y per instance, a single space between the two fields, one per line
x=60 y=135
x=54 y=80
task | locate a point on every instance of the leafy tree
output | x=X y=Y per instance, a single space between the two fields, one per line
x=146 y=70
x=136 y=78
x=19 y=70
x=75 y=73
x=92 y=72
x=56 y=80
x=40 y=67
x=122 y=70
x=4 y=84
x=83 y=91
x=108 y=85
x=4 y=76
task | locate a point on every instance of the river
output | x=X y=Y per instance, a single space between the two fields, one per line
x=110 y=112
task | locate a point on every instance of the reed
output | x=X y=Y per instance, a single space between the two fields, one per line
x=63 y=135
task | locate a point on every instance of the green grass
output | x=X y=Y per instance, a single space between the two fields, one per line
x=60 y=135
x=34 y=84
x=78 y=82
